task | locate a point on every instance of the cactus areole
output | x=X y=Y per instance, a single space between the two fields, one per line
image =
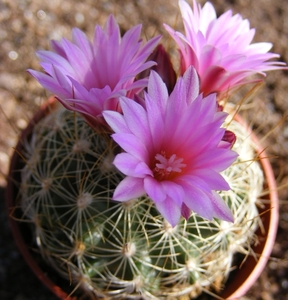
x=126 y=250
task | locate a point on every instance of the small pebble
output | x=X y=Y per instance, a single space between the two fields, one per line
x=13 y=55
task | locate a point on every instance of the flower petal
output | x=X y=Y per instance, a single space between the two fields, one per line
x=221 y=209
x=131 y=166
x=129 y=188
x=169 y=210
x=154 y=189
x=199 y=202
x=174 y=191
x=192 y=84
x=158 y=90
x=136 y=119
x=132 y=144
x=116 y=121
x=213 y=179
x=49 y=83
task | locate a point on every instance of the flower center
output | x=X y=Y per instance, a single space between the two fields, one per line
x=165 y=167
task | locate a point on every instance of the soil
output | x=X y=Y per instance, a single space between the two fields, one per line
x=27 y=26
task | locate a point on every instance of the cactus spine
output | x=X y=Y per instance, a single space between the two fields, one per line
x=117 y=250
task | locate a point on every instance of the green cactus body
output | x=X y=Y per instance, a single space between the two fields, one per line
x=117 y=250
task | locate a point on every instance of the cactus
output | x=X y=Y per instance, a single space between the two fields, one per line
x=116 y=250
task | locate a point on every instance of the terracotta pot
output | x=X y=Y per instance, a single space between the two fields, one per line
x=240 y=280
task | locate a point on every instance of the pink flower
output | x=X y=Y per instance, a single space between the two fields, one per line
x=90 y=77
x=219 y=48
x=173 y=149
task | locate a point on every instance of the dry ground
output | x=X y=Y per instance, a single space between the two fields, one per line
x=27 y=25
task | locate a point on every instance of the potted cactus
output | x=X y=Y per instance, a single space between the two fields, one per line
x=141 y=188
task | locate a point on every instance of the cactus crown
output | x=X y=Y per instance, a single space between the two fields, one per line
x=116 y=250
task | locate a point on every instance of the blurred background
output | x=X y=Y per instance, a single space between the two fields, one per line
x=28 y=25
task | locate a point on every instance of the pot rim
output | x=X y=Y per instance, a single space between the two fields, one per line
x=270 y=219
